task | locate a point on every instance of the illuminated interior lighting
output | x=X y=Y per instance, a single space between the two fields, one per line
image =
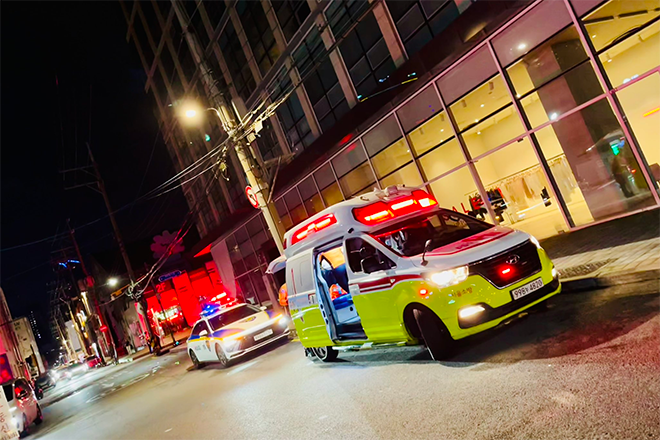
x=478 y=132
x=522 y=46
x=482 y=105
x=553 y=116
x=518 y=95
x=650 y=112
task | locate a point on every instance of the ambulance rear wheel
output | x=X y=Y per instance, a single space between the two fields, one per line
x=326 y=354
x=434 y=333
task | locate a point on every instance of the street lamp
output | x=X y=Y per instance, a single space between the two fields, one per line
x=112 y=282
x=191 y=113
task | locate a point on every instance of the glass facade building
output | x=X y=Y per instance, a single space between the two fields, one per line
x=548 y=123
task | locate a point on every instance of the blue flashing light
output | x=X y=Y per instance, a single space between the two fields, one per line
x=74 y=261
x=209 y=309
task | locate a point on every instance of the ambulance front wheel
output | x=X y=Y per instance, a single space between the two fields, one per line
x=434 y=333
x=326 y=354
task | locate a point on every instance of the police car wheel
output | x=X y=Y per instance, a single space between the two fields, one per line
x=196 y=363
x=434 y=333
x=40 y=416
x=222 y=357
x=326 y=354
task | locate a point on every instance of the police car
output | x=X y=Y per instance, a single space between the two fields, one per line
x=224 y=333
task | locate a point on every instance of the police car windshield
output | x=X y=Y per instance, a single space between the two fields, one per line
x=442 y=228
x=233 y=315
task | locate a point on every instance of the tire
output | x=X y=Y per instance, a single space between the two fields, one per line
x=40 y=416
x=222 y=357
x=434 y=333
x=196 y=363
x=326 y=354
x=26 y=428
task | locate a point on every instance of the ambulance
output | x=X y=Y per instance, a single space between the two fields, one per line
x=392 y=268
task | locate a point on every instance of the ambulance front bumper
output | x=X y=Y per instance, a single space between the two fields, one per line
x=493 y=313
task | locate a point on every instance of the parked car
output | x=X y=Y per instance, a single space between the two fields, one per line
x=23 y=405
x=93 y=361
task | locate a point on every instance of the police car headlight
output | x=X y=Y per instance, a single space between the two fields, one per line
x=449 y=277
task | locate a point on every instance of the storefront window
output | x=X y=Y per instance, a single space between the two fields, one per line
x=442 y=159
x=626 y=35
x=487 y=99
x=283 y=213
x=295 y=206
x=458 y=191
x=502 y=127
x=473 y=71
x=247 y=290
x=326 y=182
x=430 y=134
x=408 y=176
x=419 y=109
x=529 y=31
x=594 y=166
x=260 y=289
x=641 y=103
x=381 y=136
x=353 y=170
x=518 y=191
x=311 y=197
x=391 y=158
x=235 y=255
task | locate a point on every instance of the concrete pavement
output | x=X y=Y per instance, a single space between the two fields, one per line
x=589 y=367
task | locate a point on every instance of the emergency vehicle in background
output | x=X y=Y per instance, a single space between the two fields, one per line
x=391 y=267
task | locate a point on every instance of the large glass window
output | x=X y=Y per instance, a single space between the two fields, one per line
x=641 y=103
x=456 y=191
x=430 y=134
x=328 y=185
x=258 y=33
x=419 y=109
x=626 y=35
x=283 y=213
x=353 y=170
x=364 y=50
x=267 y=141
x=311 y=197
x=294 y=206
x=298 y=132
x=518 y=191
x=593 y=164
x=236 y=62
x=291 y=14
x=419 y=21
x=320 y=80
x=447 y=156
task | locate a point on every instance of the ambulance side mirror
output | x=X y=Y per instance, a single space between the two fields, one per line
x=263 y=308
x=427 y=247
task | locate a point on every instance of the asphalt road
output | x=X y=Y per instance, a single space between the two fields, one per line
x=589 y=367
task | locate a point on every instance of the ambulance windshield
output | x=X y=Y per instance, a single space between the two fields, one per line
x=442 y=228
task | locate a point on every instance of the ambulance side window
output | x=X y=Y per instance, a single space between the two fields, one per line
x=364 y=258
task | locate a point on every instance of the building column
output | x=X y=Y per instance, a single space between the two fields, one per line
x=337 y=62
x=390 y=33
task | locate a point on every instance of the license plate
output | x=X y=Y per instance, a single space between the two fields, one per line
x=262 y=335
x=527 y=288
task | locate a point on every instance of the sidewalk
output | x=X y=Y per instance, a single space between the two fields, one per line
x=621 y=251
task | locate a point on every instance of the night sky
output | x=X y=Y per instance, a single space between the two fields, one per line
x=52 y=52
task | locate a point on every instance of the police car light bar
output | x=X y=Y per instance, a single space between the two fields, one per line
x=380 y=211
x=318 y=225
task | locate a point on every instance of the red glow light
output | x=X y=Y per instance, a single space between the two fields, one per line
x=506 y=271
x=380 y=211
x=318 y=225
x=423 y=292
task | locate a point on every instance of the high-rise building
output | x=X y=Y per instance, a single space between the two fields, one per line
x=33 y=324
x=540 y=114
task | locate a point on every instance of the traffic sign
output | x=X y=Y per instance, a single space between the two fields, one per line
x=252 y=197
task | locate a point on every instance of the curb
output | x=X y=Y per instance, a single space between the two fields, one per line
x=591 y=283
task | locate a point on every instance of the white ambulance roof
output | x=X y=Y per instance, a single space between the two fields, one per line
x=343 y=212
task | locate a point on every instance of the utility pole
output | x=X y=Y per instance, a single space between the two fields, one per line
x=95 y=315
x=253 y=171
x=142 y=306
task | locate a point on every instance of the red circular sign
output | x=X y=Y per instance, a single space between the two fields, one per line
x=252 y=197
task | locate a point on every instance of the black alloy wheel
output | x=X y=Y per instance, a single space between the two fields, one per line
x=435 y=334
x=326 y=354
x=196 y=363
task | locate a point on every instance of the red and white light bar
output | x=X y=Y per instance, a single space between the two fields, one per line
x=381 y=211
x=313 y=227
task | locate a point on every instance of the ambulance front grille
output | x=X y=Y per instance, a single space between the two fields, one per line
x=522 y=260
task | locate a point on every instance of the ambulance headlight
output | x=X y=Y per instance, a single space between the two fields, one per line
x=449 y=277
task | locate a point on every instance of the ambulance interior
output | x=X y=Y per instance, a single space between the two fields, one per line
x=333 y=278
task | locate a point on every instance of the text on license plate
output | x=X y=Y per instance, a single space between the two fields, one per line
x=526 y=289
x=262 y=335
